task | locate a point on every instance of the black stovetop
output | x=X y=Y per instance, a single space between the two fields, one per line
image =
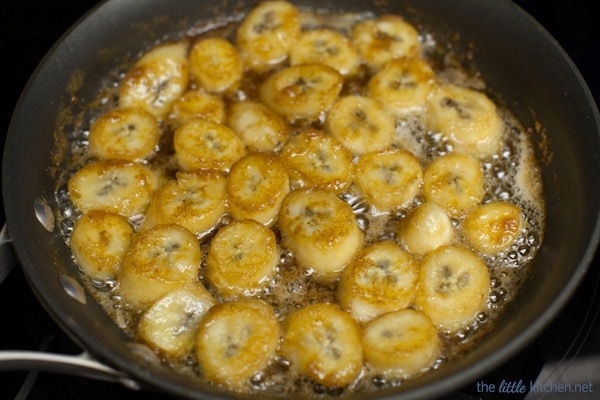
x=563 y=354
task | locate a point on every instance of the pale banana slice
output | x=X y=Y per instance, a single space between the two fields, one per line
x=157 y=79
x=382 y=278
x=493 y=227
x=425 y=228
x=454 y=284
x=196 y=103
x=361 y=124
x=99 y=241
x=323 y=342
x=320 y=229
x=403 y=85
x=385 y=38
x=304 y=91
x=242 y=259
x=170 y=325
x=237 y=340
x=260 y=128
x=256 y=186
x=455 y=182
x=160 y=260
x=216 y=64
x=468 y=118
x=401 y=343
x=267 y=33
x=202 y=143
x=328 y=47
x=124 y=133
x=194 y=200
x=119 y=186
x=316 y=159
x=389 y=179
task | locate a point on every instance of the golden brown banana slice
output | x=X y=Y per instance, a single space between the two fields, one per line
x=216 y=64
x=455 y=182
x=202 y=143
x=382 y=278
x=157 y=79
x=316 y=159
x=454 y=284
x=320 y=229
x=194 y=200
x=304 y=91
x=196 y=103
x=425 y=228
x=267 y=33
x=124 y=133
x=401 y=343
x=328 y=47
x=256 y=186
x=237 y=340
x=118 y=186
x=493 y=227
x=361 y=124
x=99 y=241
x=467 y=117
x=170 y=325
x=385 y=38
x=160 y=260
x=260 y=128
x=323 y=343
x=389 y=179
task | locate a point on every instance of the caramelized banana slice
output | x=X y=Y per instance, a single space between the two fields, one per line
x=237 y=340
x=160 y=260
x=425 y=228
x=401 y=343
x=171 y=324
x=196 y=103
x=304 y=91
x=453 y=286
x=216 y=64
x=260 y=128
x=157 y=79
x=99 y=241
x=320 y=229
x=323 y=343
x=493 y=227
x=382 y=278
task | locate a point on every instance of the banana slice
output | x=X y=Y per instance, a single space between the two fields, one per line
x=242 y=259
x=403 y=85
x=160 y=260
x=260 y=128
x=454 y=284
x=382 y=278
x=256 y=186
x=196 y=103
x=216 y=64
x=170 y=325
x=194 y=200
x=323 y=343
x=328 y=47
x=316 y=159
x=425 y=228
x=401 y=343
x=124 y=133
x=389 y=179
x=157 y=79
x=118 y=186
x=202 y=143
x=267 y=33
x=454 y=181
x=304 y=91
x=99 y=241
x=361 y=124
x=493 y=227
x=237 y=340
x=320 y=229
x=467 y=117
x=385 y=38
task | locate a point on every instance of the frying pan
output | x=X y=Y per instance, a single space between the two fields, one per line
x=524 y=69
